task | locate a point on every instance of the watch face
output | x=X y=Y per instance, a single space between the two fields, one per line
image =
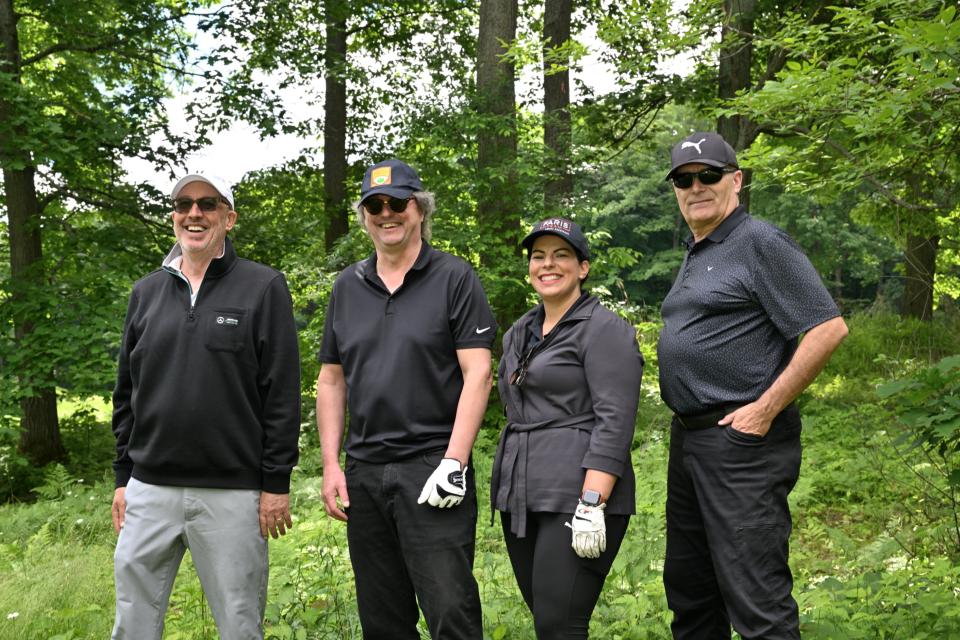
x=590 y=497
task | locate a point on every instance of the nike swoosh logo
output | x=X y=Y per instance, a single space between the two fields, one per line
x=709 y=268
x=484 y=330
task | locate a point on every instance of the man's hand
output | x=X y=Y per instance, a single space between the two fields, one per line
x=274 y=514
x=446 y=486
x=589 y=531
x=750 y=418
x=119 y=508
x=335 y=486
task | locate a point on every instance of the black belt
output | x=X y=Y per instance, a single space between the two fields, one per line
x=705 y=420
x=708 y=419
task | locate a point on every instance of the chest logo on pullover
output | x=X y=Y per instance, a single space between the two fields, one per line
x=228 y=321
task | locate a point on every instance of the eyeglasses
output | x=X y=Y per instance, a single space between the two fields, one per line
x=705 y=176
x=374 y=206
x=206 y=204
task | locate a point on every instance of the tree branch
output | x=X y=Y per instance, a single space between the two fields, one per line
x=881 y=188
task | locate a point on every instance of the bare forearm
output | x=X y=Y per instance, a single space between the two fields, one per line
x=331 y=400
x=470 y=410
x=811 y=356
x=599 y=481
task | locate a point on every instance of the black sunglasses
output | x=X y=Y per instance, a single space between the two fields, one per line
x=705 y=176
x=206 y=204
x=374 y=206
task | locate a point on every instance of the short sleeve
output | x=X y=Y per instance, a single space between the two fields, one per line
x=329 y=352
x=471 y=320
x=788 y=286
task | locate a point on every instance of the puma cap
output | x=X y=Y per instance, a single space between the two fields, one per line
x=703 y=148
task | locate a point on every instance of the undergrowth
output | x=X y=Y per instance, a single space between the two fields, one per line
x=872 y=551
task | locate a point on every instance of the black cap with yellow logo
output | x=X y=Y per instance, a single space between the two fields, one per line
x=391 y=178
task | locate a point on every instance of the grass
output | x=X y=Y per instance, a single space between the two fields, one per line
x=870 y=554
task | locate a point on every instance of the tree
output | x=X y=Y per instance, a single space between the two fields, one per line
x=867 y=105
x=734 y=74
x=556 y=102
x=81 y=87
x=497 y=213
x=335 y=122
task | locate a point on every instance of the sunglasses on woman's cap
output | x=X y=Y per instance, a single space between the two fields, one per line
x=711 y=175
x=374 y=206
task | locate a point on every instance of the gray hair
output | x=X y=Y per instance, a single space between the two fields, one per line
x=425 y=203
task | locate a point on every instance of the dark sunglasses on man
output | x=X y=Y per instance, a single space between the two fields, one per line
x=710 y=175
x=374 y=206
x=205 y=204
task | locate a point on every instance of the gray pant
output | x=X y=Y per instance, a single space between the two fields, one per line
x=220 y=527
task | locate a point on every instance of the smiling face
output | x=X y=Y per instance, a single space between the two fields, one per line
x=393 y=232
x=555 y=271
x=705 y=206
x=201 y=234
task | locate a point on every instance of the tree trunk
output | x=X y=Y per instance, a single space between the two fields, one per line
x=736 y=58
x=921 y=263
x=335 y=124
x=498 y=214
x=556 y=104
x=39 y=427
x=497 y=142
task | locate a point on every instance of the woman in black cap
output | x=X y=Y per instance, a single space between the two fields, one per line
x=563 y=479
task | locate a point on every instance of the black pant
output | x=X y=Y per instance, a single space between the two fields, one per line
x=728 y=530
x=403 y=552
x=560 y=588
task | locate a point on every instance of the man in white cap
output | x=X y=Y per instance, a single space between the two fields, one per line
x=206 y=416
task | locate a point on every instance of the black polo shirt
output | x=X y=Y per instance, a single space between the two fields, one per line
x=399 y=351
x=731 y=321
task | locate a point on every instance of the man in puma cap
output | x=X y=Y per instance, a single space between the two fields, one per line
x=406 y=346
x=731 y=365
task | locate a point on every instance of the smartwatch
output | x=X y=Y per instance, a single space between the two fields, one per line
x=591 y=498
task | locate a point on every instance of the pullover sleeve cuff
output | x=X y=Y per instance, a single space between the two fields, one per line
x=276 y=483
x=603 y=463
x=121 y=476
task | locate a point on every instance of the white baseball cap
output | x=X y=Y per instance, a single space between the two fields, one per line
x=218 y=183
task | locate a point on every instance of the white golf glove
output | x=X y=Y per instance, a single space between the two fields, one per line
x=446 y=486
x=589 y=531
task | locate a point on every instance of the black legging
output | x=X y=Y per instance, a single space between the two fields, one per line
x=560 y=588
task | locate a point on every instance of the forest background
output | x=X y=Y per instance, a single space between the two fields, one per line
x=845 y=115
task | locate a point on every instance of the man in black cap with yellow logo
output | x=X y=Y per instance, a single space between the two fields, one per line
x=731 y=366
x=406 y=346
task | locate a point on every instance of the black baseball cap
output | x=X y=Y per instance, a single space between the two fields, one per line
x=563 y=228
x=392 y=177
x=703 y=148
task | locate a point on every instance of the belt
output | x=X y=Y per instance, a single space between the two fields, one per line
x=706 y=420
x=503 y=486
x=709 y=419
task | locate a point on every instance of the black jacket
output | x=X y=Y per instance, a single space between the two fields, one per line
x=208 y=395
x=575 y=411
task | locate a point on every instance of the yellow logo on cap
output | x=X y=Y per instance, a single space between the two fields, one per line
x=380 y=176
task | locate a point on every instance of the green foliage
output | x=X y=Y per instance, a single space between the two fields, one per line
x=913 y=601
x=57 y=482
x=882 y=345
x=928 y=404
x=873 y=536
x=863 y=107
